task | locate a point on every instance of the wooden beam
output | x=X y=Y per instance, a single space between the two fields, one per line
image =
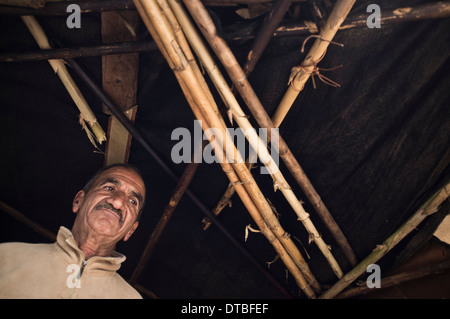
x=265 y=33
x=79 y=52
x=95 y=6
x=119 y=80
x=27 y=221
x=436 y=10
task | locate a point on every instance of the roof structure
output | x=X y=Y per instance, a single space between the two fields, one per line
x=349 y=100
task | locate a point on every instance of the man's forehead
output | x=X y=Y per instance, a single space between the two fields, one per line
x=123 y=175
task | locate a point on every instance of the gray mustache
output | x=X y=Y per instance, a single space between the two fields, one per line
x=111 y=207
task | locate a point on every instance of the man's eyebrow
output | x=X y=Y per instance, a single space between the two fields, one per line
x=110 y=180
x=114 y=181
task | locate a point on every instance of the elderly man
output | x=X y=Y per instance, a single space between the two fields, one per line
x=82 y=263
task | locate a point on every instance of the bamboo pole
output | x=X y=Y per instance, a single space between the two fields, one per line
x=199 y=101
x=315 y=54
x=397 y=279
x=429 y=207
x=233 y=178
x=60 y=69
x=251 y=134
x=261 y=41
x=206 y=25
x=201 y=50
x=228 y=170
x=279 y=239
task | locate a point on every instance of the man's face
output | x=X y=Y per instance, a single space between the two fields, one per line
x=111 y=206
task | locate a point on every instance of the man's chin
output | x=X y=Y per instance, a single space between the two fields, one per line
x=106 y=226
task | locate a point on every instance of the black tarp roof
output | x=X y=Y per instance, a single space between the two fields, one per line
x=374 y=149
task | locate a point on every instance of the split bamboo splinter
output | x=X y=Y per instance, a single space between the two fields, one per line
x=60 y=69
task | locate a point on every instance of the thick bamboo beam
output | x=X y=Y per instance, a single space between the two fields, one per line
x=261 y=41
x=200 y=104
x=429 y=207
x=251 y=135
x=240 y=81
x=280 y=240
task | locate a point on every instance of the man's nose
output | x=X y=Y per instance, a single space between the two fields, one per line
x=117 y=200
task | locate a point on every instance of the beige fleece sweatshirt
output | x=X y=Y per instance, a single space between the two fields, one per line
x=58 y=270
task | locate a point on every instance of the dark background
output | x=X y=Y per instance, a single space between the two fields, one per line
x=374 y=149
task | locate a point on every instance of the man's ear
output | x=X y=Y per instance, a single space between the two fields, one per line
x=131 y=231
x=79 y=197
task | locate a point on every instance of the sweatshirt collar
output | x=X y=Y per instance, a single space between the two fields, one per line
x=73 y=254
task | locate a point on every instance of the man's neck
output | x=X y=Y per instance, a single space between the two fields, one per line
x=90 y=244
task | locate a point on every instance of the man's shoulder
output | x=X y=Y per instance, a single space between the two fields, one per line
x=126 y=290
x=15 y=245
x=25 y=249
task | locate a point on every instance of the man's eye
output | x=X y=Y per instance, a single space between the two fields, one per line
x=109 y=188
x=132 y=201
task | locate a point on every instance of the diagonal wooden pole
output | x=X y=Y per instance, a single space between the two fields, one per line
x=182 y=185
x=265 y=34
x=240 y=81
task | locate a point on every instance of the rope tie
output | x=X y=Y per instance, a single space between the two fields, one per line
x=313 y=69
x=239 y=183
